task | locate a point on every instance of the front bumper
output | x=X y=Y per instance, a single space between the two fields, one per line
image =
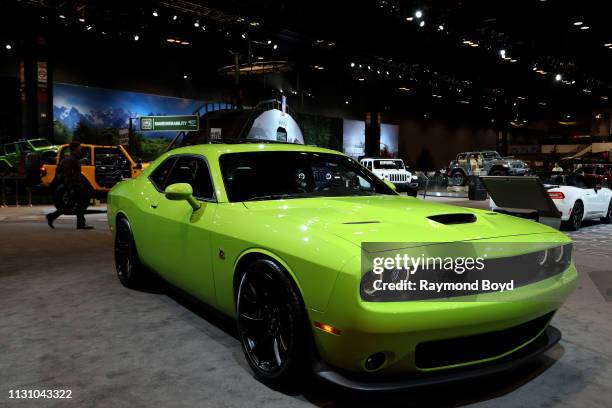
x=407 y=186
x=397 y=329
x=546 y=340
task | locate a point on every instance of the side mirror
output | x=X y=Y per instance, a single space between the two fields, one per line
x=182 y=191
x=390 y=185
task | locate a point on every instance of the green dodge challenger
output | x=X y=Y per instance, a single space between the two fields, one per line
x=274 y=236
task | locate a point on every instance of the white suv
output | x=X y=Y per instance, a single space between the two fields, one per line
x=394 y=171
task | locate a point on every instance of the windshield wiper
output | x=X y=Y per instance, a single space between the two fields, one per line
x=272 y=197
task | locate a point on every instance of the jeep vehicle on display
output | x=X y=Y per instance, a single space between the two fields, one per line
x=37 y=150
x=101 y=167
x=485 y=163
x=394 y=171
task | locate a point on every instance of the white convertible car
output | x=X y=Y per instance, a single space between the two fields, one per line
x=576 y=200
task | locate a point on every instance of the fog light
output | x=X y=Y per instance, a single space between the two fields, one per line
x=375 y=361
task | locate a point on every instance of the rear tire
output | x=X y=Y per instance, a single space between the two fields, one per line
x=575 y=220
x=608 y=218
x=271 y=323
x=130 y=271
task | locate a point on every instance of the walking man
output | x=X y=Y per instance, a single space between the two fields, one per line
x=68 y=177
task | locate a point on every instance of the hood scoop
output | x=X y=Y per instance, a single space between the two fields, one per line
x=451 y=219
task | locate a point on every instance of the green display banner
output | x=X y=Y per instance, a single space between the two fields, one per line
x=169 y=123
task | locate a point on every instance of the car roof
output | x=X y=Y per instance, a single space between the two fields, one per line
x=222 y=148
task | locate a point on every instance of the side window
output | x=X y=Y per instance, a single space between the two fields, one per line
x=24 y=147
x=578 y=181
x=160 y=174
x=110 y=156
x=85 y=155
x=193 y=171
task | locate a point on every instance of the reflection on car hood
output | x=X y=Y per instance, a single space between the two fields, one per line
x=390 y=219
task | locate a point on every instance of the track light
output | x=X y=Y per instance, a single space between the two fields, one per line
x=155 y=13
x=418 y=14
x=275 y=47
x=422 y=24
x=174 y=17
x=8 y=46
x=196 y=24
x=136 y=37
x=352 y=65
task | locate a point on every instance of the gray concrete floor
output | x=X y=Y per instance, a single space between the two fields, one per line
x=67 y=323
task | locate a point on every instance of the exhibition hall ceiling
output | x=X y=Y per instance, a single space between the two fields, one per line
x=502 y=60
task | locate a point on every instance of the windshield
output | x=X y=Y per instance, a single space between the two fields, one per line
x=389 y=164
x=491 y=155
x=277 y=175
x=40 y=143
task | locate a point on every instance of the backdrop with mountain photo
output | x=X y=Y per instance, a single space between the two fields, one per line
x=95 y=115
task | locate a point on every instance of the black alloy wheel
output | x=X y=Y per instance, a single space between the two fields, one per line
x=608 y=218
x=575 y=221
x=127 y=264
x=271 y=323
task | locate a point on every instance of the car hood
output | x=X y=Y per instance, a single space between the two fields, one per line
x=393 y=219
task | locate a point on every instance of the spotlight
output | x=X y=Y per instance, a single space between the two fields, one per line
x=185 y=76
x=275 y=47
x=346 y=102
x=269 y=42
x=352 y=65
x=361 y=79
x=62 y=16
x=155 y=13
x=578 y=23
x=585 y=27
x=174 y=17
x=418 y=14
x=409 y=18
x=196 y=24
x=8 y=46
x=82 y=20
x=422 y=24
x=136 y=37
x=243 y=35
x=558 y=77
x=502 y=53
x=440 y=27
x=88 y=27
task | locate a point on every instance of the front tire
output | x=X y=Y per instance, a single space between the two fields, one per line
x=130 y=271
x=271 y=323
x=459 y=178
x=575 y=220
x=608 y=218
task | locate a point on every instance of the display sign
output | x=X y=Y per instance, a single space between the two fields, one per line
x=169 y=123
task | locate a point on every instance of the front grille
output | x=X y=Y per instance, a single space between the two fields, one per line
x=397 y=177
x=447 y=352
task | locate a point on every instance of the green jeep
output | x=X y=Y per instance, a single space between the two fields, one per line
x=33 y=150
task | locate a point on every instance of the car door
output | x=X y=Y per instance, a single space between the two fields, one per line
x=183 y=254
x=590 y=196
